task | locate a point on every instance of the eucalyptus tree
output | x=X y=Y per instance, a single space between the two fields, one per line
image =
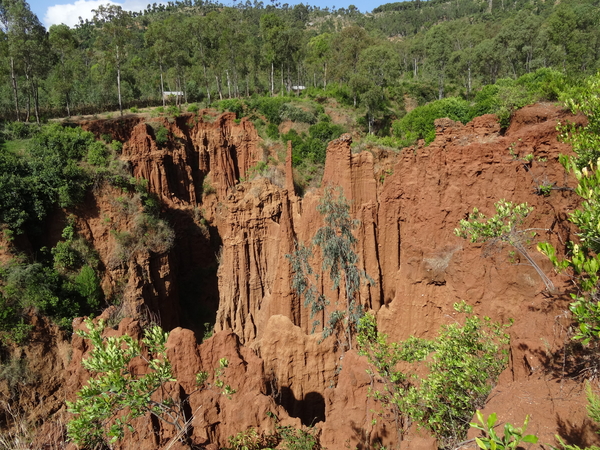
x=64 y=45
x=116 y=31
x=439 y=49
x=156 y=38
x=318 y=52
x=28 y=50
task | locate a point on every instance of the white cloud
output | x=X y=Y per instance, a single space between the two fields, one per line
x=70 y=13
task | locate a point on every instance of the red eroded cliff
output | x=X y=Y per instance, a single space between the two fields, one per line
x=408 y=205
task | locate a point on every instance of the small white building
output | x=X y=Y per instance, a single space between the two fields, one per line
x=172 y=94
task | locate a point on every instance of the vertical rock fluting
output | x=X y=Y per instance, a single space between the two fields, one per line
x=176 y=169
x=406 y=244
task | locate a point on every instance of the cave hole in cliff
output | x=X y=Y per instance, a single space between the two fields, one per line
x=310 y=409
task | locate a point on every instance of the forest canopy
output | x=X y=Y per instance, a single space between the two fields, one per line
x=424 y=50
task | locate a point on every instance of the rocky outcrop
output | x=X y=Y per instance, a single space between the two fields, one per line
x=408 y=204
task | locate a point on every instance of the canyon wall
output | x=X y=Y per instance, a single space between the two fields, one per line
x=229 y=265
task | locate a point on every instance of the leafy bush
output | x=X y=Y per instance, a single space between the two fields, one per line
x=463 y=363
x=97 y=154
x=193 y=108
x=272 y=131
x=314 y=146
x=419 y=123
x=19 y=130
x=290 y=112
x=234 y=105
x=161 y=134
x=326 y=131
x=511 y=440
x=117 y=146
x=297 y=439
x=503 y=227
x=269 y=107
x=173 y=110
x=99 y=417
x=134 y=109
x=49 y=173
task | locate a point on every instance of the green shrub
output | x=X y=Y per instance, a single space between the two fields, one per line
x=173 y=110
x=160 y=109
x=114 y=395
x=193 y=108
x=272 y=131
x=269 y=107
x=87 y=284
x=134 y=109
x=290 y=112
x=234 y=105
x=46 y=175
x=19 y=130
x=161 y=134
x=97 y=154
x=419 y=123
x=512 y=438
x=326 y=131
x=297 y=439
x=463 y=363
x=117 y=146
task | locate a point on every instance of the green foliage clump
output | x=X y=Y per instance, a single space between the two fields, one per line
x=19 y=130
x=234 y=105
x=173 y=110
x=419 y=123
x=503 y=228
x=336 y=244
x=251 y=439
x=511 y=440
x=97 y=154
x=298 y=439
x=161 y=134
x=312 y=148
x=62 y=285
x=269 y=107
x=272 y=131
x=288 y=111
x=114 y=396
x=48 y=173
x=583 y=258
x=193 y=108
x=463 y=364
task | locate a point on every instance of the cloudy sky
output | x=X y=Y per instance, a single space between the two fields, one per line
x=52 y=12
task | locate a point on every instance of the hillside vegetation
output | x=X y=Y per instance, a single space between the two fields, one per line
x=376 y=62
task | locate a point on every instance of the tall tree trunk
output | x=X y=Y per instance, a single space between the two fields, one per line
x=228 y=83
x=68 y=106
x=219 y=88
x=206 y=82
x=119 y=87
x=28 y=115
x=272 y=79
x=469 y=81
x=162 y=86
x=36 y=105
x=325 y=75
x=13 y=77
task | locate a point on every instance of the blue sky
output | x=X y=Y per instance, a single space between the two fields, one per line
x=68 y=11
